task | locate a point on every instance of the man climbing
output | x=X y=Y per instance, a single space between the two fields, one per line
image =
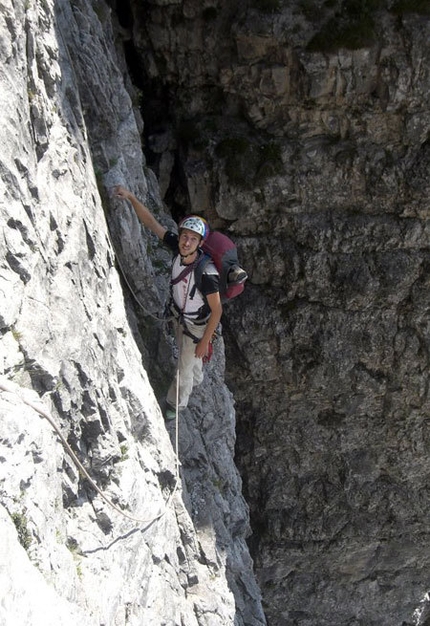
x=196 y=311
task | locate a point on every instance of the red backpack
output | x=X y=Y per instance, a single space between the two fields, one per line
x=223 y=252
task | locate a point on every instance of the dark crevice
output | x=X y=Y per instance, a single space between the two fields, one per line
x=157 y=109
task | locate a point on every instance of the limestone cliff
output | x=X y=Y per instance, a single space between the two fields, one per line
x=303 y=129
x=131 y=537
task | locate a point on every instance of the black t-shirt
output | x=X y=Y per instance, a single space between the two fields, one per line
x=210 y=281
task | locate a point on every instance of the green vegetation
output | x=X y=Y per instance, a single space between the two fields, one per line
x=24 y=535
x=197 y=132
x=310 y=9
x=189 y=132
x=16 y=334
x=210 y=14
x=267 y=6
x=270 y=161
x=137 y=97
x=240 y=159
x=422 y=7
x=177 y=18
x=75 y=550
x=230 y=147
x=247 y=163
x=353 y=27
x=124 y=452
x=247 y=159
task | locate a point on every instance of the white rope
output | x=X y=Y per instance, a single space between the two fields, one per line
x=9 y=387
x=177 y=424
x=178 y=380
x=157 y=318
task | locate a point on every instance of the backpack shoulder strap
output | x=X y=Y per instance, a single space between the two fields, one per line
x=187 y=270
x=204 y=260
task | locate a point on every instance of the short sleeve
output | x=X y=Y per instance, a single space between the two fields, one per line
x=210 y=284
x=171 y=240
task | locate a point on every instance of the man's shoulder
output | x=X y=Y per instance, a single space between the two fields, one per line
x=208 y=266
x=210 y=269
x=208 y=278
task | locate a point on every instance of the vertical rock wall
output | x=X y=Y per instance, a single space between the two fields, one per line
x=131 y=541
x=316 y=157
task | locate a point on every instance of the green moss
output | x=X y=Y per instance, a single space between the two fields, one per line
x=210 y=124
x=310 y=9
x=188 y=131
x=248 y=163
x=267 y=6
x=210 y=14
x=271 y=152
x=16 y=334
x=232 y=146
x=353 y=27
x=193 y=133
x=177 y=18
x=21 y=525
x=240 y=159
x=270 y=163
x=335 y=36
x=422 y=7
x=75 y=550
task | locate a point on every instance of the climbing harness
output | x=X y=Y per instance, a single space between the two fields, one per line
x=9 y=387
x=179 y=312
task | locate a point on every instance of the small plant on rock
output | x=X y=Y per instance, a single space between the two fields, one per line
x=267 y=6
x=21 y=525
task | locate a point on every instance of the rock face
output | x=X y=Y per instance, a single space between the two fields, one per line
x=304 y=130
x=132 y=538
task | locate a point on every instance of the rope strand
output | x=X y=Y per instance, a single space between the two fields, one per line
x=9 y=387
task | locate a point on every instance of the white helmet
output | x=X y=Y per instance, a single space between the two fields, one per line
x=195 y=223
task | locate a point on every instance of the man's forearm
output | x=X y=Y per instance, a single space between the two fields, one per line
x=213 y=321
x=146 y=217
x=142 y=212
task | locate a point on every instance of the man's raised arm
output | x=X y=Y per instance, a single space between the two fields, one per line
x=142 y=212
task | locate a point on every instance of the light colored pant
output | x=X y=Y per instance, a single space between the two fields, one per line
x=190 y=367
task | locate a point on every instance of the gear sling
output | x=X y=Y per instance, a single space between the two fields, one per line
x=179 y=314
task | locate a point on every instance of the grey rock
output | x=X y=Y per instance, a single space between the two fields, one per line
x=88 y=474
x=316 y=161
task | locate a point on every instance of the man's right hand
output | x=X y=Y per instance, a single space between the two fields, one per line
x=142 y=212
x=121 y=192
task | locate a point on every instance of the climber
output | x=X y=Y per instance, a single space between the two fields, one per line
x=196 y=312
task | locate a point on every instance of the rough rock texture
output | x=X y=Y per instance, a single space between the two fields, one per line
x=316 y=156
x=76 y=348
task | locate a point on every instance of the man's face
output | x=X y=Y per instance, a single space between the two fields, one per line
x=189 y=241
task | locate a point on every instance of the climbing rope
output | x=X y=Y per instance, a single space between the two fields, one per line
x=163 y=320
x=177 y=413
x=157 y=318
x=9 y=387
